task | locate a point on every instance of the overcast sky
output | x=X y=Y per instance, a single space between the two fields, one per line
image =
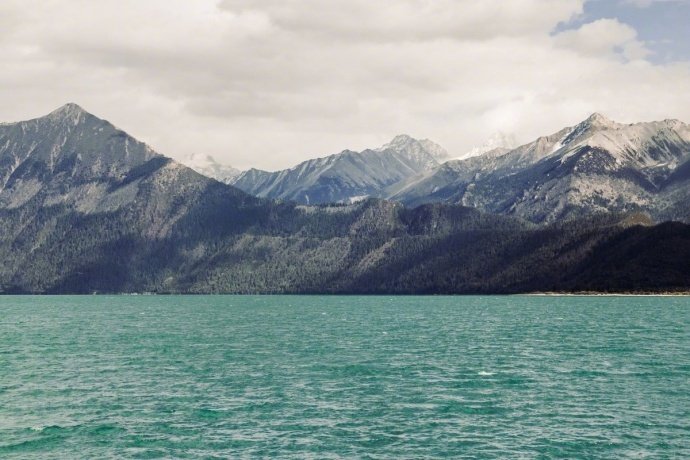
x=268 y=83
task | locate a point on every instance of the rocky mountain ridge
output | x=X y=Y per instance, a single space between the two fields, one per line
x=595 y=166
x=346 y=176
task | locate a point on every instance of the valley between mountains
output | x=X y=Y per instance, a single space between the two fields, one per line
x=599 y=206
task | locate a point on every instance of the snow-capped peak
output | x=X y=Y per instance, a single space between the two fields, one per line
x=498 y=140
x=210 y=167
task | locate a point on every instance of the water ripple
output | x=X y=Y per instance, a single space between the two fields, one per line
x=344 y=377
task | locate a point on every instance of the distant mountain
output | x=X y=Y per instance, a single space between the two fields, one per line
x=595 y=166
x=86 y=208
x=498 y=143
x=210 y=167
x=347 y=176
x=72 y=159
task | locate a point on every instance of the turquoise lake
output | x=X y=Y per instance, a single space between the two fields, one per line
x=344 y=377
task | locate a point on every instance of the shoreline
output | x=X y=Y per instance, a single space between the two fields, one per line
x=608 y=294
x=528 y=294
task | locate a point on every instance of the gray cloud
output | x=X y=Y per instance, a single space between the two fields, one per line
x=396 y=20
x=268 y=83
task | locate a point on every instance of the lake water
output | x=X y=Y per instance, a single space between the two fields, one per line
x=332 y=377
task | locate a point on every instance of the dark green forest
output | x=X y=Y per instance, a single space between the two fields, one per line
x=228 y=242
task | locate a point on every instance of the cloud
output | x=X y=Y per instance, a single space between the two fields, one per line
x=604 y=36
x=268 y=83
x=396 y=20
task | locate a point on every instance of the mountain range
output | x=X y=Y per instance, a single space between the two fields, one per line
x=85 y=208
x=346 y=176
x=595 y=166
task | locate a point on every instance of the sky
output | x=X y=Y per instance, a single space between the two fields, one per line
x=269 y=83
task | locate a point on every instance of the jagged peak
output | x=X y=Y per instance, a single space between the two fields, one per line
x=404 y=141
x=592 y=124
x=399 y=141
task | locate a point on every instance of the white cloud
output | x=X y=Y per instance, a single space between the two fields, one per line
x=604 y=36
x=395 y=20
x=268 y=83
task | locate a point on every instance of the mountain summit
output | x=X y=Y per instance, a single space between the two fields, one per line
x=600 y=120
x=69 y=110
x=423 y=151
x=67 y=143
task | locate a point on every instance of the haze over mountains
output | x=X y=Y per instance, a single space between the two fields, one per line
x=86 y=208
x=210 y=167
x=497 y=142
